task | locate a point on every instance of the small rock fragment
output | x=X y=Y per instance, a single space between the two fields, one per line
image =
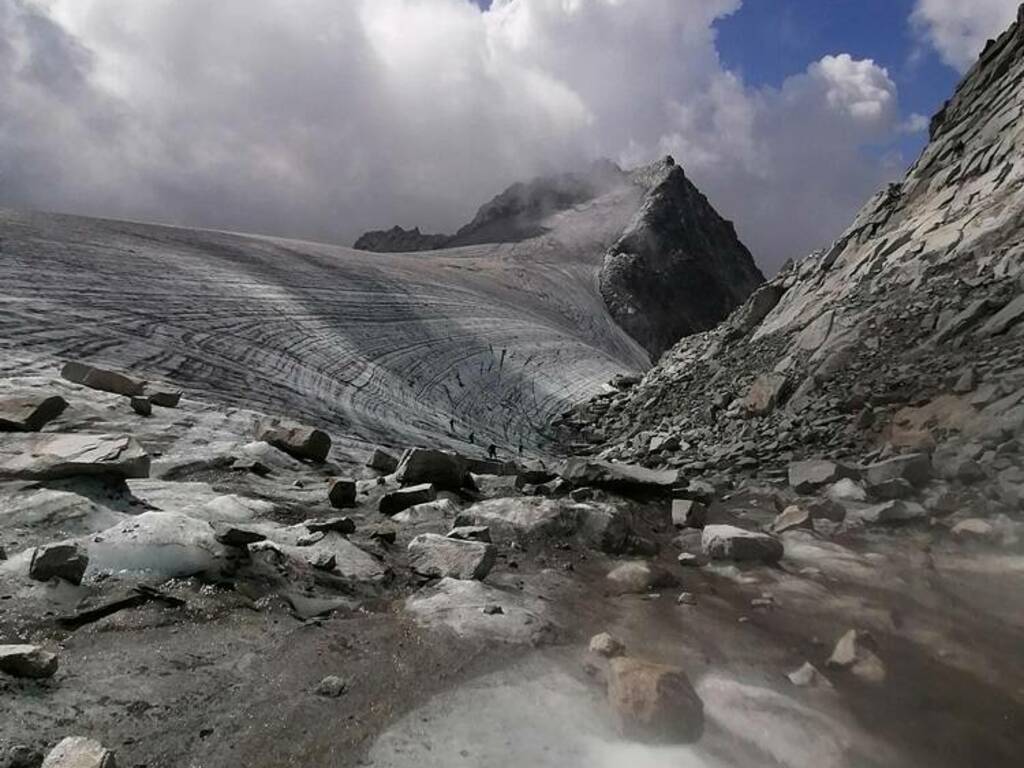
x=607 y=645
x=79 y=752
x=342 y=493
x=382 y=461
x=808 y=676
x=29 y=661
x=142 y=406
x=331 y=687
x=393 y=502
x=687 y=513
x=853 y=652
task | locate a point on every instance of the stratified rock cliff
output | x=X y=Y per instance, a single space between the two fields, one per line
x=920 y=299
x=679 y=267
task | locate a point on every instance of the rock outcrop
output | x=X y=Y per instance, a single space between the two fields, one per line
x=398 y=240
x=679 y=268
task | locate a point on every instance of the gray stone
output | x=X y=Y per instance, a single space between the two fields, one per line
x=142 y=406
x=808 y=676
x=897 y=488
x=654 y=703
x=331 y=687
x=624 y=477
x=424 y=465
x=790 y=518
x=689 y=514
x=343 y=525
x=727 y=542
x=1004 y=319
x=67 y=561
x=393 y=502
x=768 y=391
x=382 y=461
x=639 y=577
x=915 y=468
x=438 y=556
x=103 y=380
x=233 y=536
x=854 y=652
x=826 y=509
x=607 y=645
x=29 y=414
x=52 y=456
x=696 y=490
x=891 y=512
x=342 y=493
x=809 y=476
x=80 y=752
x=471 y=533
x=29 y=661
x=297 y=440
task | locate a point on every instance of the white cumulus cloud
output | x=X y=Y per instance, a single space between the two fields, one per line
x=958 y=29
x=324 y=118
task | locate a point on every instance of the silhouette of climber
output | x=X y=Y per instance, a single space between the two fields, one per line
x=472 y=438
x=451 y=425
x=520 y=448
x=492 y=451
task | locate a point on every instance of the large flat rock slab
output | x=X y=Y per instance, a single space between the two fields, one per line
x=55 y=456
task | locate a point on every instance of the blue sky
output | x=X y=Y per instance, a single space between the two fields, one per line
x=767 y=41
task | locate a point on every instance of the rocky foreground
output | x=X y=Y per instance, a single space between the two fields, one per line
x=798 y=540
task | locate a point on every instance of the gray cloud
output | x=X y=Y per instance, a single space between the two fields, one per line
x=321 y=119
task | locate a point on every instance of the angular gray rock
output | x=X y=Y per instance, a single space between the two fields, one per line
x=606 y=645
x=343 y=525
x=768 y=391
x=811 y=475
x=1005 y=318
x=438 y=556
x=142 y=406
x=29 y=414
x=689 y=514
x=727 y=542
x=393 y=502
x=890 y=512
x=297 y=440
x=639 y=577
x=623 y=477
x=29 y=661
x=654 y=703
x=425 y=465
x=103 y=380
x=791 y=518
x=80 y=752
x=382 y=461
x=471 y=533
x=51 y=456
x=342 y=493
x=855 y=652
x=66 y=560
x=915 y=468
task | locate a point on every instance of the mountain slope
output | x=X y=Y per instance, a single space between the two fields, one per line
x=922 y=290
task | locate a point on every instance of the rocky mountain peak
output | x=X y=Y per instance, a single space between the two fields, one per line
x=679 y=267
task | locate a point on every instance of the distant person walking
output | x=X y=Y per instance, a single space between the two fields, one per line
x=492 y=451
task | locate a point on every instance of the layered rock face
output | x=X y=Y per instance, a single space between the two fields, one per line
x=907 y=328
x=679 y=267
x=398 y=240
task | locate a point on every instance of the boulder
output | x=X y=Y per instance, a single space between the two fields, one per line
x=393 y=502
x=233 y=536
x=654 y=703
x=687 y=513
x=607 y=645
x=529 y=520
x=854 y=652
x=826 y=509
x=103 y=380
x=66 y=560
x=581 y=472
x=29 y=414
x=29 y=661
x=471 y=533
x=726 y=542
x=534 y=472
x=897 y=488
x=490 y=467
x=51 y=456
x=142 y=406
x=440 y=513
x=298 y=441
x=342 y=493
x=639 y=577
x=809 y=476
x=915 y=468
x=343 y=525
x=162 y=395
x=79 y=752
x=846 y=490
x=768 y=391
x=425 y=465
x=382 y=461
x=891 y=512
x=791 y=518
x=696 y=490
x=160 y=545
x=442 y=557
x=974 y=528
x=1004 y=319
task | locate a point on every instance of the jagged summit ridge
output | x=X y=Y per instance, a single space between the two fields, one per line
x=679 y=267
